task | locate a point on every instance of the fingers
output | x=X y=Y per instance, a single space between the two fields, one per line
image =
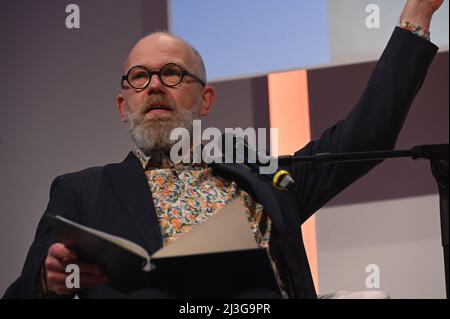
x=56 y=281
x=59 y=251
x=59 y=283
x=59 y=256
x=55 y=265
x=86 y=281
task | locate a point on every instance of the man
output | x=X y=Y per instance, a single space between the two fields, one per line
x=150 y=200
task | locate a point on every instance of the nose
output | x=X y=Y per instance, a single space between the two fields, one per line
x=155 y=83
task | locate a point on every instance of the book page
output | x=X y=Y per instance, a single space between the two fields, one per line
x=227 y=230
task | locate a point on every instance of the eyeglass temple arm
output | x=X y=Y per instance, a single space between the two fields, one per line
x=194 y=76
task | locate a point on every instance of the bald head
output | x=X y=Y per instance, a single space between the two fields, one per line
x=158 y=45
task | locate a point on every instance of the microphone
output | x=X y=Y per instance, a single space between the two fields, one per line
x=235 y=149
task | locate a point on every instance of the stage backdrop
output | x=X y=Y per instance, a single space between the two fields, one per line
x=58 y=115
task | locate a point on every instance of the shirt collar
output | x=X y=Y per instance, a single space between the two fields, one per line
x=161 y=160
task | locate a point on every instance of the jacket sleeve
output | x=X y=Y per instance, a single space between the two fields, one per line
x=61 y=202
x=373 y=124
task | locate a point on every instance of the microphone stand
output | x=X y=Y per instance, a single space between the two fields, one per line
x=437 y=154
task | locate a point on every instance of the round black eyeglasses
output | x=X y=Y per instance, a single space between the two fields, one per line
x=171 y=74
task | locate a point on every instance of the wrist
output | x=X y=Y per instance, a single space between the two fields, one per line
x=417 y=30
x=418 y=12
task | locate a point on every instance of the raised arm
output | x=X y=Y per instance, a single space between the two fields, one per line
x=375 y=121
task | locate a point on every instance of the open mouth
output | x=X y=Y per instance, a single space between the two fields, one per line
x=159 y=109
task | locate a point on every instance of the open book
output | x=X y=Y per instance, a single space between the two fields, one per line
x=218 y=258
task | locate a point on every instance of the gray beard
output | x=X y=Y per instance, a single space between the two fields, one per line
x=153 y=136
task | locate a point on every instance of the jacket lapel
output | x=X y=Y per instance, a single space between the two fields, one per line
x=129 y=182
x=259 y=189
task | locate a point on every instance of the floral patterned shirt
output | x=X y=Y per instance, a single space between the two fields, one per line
x=184 y=195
